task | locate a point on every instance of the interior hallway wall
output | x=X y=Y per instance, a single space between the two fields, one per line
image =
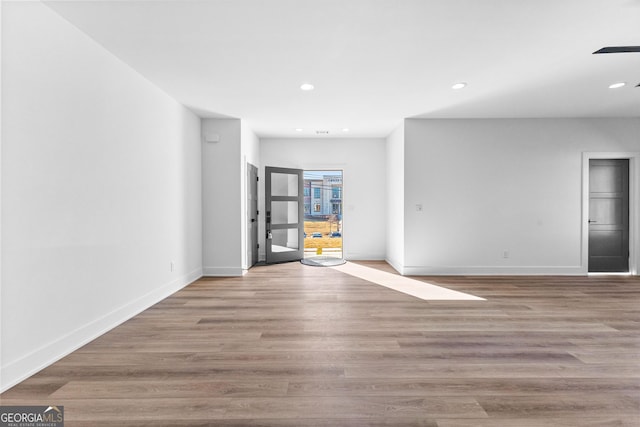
x=222 y=214
x=395 y=198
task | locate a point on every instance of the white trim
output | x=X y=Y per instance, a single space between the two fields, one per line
x=610 y=274
x=416 y=270
x=338 y=167
x=21 y=369
x=396 y=266
x=359 y=256
x=248 y=214
x=223 y=271
x=244 y=209
x=1 y=300
x=634 y=206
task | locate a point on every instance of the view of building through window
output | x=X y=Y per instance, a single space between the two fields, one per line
x=323 y=213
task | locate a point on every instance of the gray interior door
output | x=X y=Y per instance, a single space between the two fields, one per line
x=252 y=206
x=284 y=214
x=609 y=215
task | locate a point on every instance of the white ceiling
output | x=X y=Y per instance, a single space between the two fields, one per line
x=374 y=62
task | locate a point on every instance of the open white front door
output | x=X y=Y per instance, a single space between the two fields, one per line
x=284 y=203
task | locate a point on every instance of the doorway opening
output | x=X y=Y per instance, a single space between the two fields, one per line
x=284 y=214
x=323 y=213
x=610 y=206
x=608 y=216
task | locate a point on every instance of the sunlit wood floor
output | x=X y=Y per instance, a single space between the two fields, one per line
x=293 y=345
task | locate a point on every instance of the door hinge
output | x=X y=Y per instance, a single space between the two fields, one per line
x=258 y=246
x=257 y=212
x=257 y=178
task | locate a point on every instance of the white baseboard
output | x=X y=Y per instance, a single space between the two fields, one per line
x=350 y=256
x=223 y=271
x=396 y=266
x=21 y=369
x=492 y=271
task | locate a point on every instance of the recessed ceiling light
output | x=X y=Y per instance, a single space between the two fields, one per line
x=459 y=85
x=617 y=85
x=345 y=130
x=298 y=129
x=306 y=86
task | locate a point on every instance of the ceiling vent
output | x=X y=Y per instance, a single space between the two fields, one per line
x=322 y=132
x=618 y=49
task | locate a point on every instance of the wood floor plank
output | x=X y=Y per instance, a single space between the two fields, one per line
x=292 y=345
x=171 y=388
x=498 y=387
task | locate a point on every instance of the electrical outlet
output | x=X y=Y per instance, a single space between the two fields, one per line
x=505 y=254
x=419 y=208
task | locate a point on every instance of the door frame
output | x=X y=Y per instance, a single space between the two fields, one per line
x=634 y=206
x=252 y=235
x=274 y=257
x=304 y=166
x=339 y=168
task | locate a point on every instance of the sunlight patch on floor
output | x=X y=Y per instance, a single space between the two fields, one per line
x=416 y=288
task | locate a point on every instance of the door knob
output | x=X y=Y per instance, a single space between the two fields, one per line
x=591 y=221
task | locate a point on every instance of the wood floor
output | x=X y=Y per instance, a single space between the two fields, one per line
x=293 y=345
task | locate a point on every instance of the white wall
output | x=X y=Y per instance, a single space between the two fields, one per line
x=364 y=192
x=395 y=198
x=101 y=189
x=489 y=186
x=222 y=217
x=2 y=386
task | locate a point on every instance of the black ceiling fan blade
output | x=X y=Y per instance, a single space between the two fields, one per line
x=618 y=49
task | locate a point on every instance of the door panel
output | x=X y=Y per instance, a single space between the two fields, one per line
x=284 y=212
x=605 y=211
x=284 y=184
x=284 y=240
x=609 y=215
x=284 y=203
x=252 y=225
x=605 y=176
x=606 y=243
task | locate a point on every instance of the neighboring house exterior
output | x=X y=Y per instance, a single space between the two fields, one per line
x=323 y=197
